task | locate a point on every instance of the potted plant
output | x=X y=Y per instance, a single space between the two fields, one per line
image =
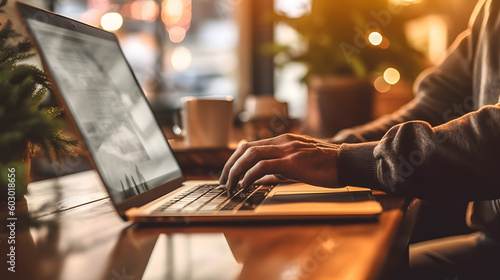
x=344 y=43
x=24 y=125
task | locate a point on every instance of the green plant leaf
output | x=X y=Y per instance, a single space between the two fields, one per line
x=330 y=24
x=22 y=89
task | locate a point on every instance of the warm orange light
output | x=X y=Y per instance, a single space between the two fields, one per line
x=99 y=5
x=177 y=34
x=385 y=43
x=391 y=76
x=149 y=10
x=173 y=10
x=176 y=15
x=381 y=85
x=92 y=17
x=405 y=2
x=375 y=38
x=429 y=35
x=135 y=10
x=185 y=20
x=141 y=10
x=125 y=11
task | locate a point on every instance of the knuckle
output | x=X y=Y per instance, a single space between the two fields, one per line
x=294 y=144
x=243 y=146
x=289 y=137
x=251 y=153
x=262 y=165
x=283 y=137
x=293 y=158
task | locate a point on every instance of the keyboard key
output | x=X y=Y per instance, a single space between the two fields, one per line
x=215 y=197
x=252 y=202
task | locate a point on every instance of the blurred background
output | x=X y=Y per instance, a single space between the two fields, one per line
x=306 y=66
x=333 y=64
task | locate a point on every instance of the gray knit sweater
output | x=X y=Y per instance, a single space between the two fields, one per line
x=445 y=144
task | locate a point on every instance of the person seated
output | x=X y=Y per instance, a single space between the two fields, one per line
x=442 y=146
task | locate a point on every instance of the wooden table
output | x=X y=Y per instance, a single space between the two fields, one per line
x=66 y=229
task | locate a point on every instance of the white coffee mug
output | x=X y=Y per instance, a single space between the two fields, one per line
x=207 y=121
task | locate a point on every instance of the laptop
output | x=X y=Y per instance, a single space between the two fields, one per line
x=102 y=98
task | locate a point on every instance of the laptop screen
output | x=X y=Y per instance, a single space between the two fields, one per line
x=108 y=107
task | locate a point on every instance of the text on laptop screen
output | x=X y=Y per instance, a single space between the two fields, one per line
x=109 y=108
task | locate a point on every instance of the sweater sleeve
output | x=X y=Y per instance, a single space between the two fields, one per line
x=455 y=161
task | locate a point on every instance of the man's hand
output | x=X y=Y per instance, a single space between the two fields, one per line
x=289 y=156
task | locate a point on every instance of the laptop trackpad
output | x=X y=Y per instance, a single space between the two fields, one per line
x=320 y=203
x=288 y=197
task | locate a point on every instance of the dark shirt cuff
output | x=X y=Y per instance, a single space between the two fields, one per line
x=356 y=165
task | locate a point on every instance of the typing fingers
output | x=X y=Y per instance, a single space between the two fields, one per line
x=260 y=161
x=250 y=157
x=243 y=147
x=262 y=168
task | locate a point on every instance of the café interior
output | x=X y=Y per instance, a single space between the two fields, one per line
x=310 y=67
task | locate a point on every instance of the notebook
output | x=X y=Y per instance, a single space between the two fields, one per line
x=101 y=96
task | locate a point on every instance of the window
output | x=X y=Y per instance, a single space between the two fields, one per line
x=176 y=47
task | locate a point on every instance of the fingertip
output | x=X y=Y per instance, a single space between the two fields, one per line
x=230 y=190
x=266 y=180
x=230 y=186
x=222 y=180
x=243 y=184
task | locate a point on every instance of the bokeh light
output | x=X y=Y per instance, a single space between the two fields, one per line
x=391 y=76
x=181 y=59
x=141 y=10
x=405 y=2
x=381 y=85
x=177 y=15
x=111 y=21
x=375 y=38
x=385 y=43
x=174 y=10
x=150 y=10
x=177 y=34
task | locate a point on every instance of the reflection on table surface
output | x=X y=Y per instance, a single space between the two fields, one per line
x=67 y=229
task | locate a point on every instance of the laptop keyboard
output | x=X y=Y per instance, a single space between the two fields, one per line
x=208 y=198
